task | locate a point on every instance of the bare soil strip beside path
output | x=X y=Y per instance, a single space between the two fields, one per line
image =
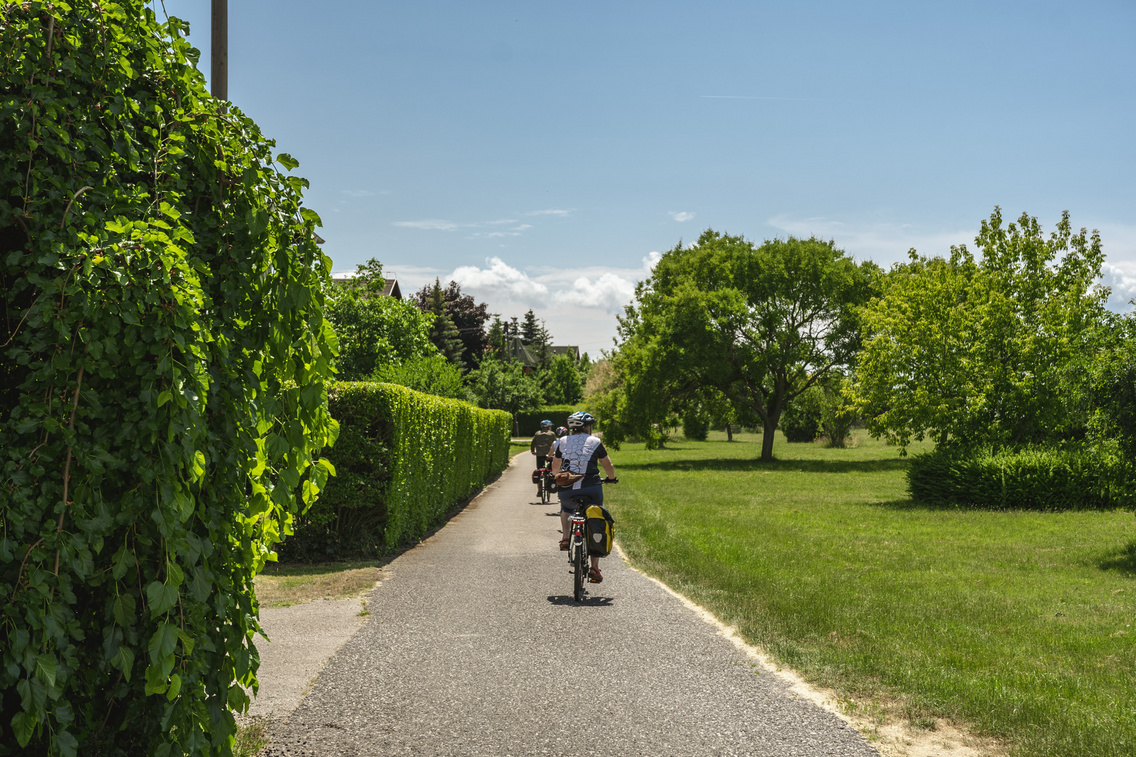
x=474 y=646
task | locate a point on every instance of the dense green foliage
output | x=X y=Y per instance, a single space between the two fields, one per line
x=468 y=317
x=164 y=358
x=402 y=460
x=1075 y=477
x=503 y=385
x=432 y=374
x=757 y=325
x=1017 y=624
x=441 y=451
x=374 y=331
x=988 y=350
x=562 y=381
x=528 y=423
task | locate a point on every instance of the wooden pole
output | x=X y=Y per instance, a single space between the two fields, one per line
x=219 y=75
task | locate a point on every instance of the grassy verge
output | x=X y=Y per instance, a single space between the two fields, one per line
x=1018 y=624
x=285 y=585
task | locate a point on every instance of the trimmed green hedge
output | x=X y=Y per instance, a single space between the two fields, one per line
x=402 y=460
x=1072 y=478
x=529 y=423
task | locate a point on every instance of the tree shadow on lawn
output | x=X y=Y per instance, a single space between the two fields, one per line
x=1120 y=559
x=878 y=465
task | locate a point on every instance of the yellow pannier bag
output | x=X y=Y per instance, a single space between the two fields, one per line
x=600 y=527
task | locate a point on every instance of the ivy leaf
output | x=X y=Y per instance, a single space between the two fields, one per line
x=45 y=669
x=161 y=598
x=23 y=724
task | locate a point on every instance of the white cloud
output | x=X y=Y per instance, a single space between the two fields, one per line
x=884 y=243
x=681 y=215
x=551 y=212
x=499 y=278
x=431 y=224
x=359 y=192
x=1121 y=279
x=608 y=292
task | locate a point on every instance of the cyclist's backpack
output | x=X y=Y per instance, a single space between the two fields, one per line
x=600 y=527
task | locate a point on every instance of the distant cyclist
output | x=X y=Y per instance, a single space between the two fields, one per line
x=541 y=446
x=582 y=453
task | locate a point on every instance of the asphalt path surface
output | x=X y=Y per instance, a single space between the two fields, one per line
x=474 y=646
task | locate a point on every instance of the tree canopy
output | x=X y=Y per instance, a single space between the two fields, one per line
x=375 y=331
x=757 y=324
x=467 y=316
x=982 y=350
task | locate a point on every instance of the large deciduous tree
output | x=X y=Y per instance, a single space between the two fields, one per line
x=981 y=350
x=756 y=324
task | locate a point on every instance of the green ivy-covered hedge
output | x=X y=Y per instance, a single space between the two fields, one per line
x=402 y=459
x=529 y=423
x=1073 y=478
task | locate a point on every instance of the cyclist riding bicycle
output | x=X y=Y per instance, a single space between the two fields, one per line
x=541 y=446
x=581 y=453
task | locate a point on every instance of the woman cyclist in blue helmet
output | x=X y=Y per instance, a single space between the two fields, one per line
x=582 y=453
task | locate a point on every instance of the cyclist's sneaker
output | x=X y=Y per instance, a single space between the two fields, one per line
x=563 y=545
x=594 y=576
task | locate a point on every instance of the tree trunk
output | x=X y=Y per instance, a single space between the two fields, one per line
x=767 y=441
x=729 y=433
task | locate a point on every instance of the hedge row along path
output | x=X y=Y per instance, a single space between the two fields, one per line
x=474 y=646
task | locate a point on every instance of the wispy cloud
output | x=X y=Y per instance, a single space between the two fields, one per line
x=432 y=224
x=885 y=243
x=551 y=212
x=359 y=192
x=681 y=215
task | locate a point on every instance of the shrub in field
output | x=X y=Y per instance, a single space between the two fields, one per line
x=402 y=459
x=163 y=357
x=1031 y=478
x=801 y=420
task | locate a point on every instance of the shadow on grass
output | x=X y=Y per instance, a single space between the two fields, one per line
x=787 y=466
x=1121 y=560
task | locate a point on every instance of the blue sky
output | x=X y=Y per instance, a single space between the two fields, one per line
x=544 y=154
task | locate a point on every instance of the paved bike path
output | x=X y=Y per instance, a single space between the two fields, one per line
x=474 y=646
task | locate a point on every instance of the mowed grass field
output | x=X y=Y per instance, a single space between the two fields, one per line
x=1019 y=625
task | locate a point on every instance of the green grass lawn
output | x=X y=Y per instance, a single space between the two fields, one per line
x=1017 y=624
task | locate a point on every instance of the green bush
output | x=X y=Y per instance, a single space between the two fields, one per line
x=695 y=424
x=402 y=460
x=1030 y=478
x=529 y=423
x=801 y=420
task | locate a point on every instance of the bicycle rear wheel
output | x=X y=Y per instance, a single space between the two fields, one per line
x=579 y=569
x=544 y=490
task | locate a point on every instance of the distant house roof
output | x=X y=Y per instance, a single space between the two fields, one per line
x=525 y=354
x=390 y=286
x=390 y=289
x=571 y=351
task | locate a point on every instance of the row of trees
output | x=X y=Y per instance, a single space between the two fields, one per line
x=1006 y=346
x=438 y=342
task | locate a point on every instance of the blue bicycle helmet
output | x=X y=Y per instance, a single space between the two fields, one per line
x=546 y=423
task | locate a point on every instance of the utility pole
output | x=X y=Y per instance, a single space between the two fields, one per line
x=219 y=60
